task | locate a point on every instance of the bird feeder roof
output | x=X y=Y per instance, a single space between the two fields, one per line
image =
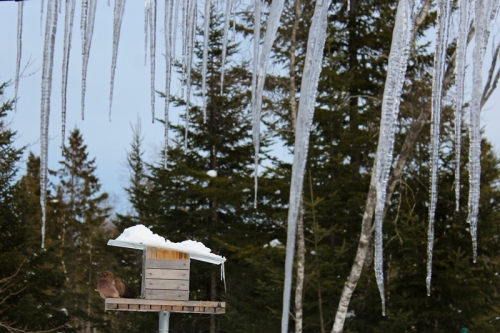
x=139 y=237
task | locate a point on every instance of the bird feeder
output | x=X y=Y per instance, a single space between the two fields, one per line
x=165 y=282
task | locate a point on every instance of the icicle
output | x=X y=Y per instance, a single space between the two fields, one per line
x=41 y=16
x=227 y=22
x=191 y=31
x=223 y=275
x=204 y=60
x=308 y=91
x=147 y=12
x=482 y=8
x=47 y=66
x=396 y=71
x=87 y=26
x=169 y=5
x=444 y=8
x=152 y=53
x=256 y=126
x=20 y=6
x=119 y=9
x=68 y=31
x=460 y=75
x=176 y=18
x=185 y=11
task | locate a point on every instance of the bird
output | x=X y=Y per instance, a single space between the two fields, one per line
x=110 y=286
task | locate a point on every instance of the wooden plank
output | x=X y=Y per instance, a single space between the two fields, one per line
x=163 y=302
x=167 y=274
x=177 y=308
x=171 y=254
x=167 y=284
x=166 y=307
x=133 y=306
x=167 y=294
x=209 y=309
x=188 y=308
x=162 y=263
x=156 y=307
x=220 y=310
x=151 y=252
x=111 y=306
x=145 y=307
x=122 y=306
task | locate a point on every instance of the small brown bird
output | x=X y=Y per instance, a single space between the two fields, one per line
x=110 y=286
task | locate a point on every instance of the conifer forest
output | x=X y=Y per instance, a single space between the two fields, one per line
x=386 y=220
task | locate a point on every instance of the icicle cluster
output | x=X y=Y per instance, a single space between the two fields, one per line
x=87 y=29
x=308 y=91
x=119 y=9
x=68 y=31
x=47 y=66
x=20 y=6
x=444 y=9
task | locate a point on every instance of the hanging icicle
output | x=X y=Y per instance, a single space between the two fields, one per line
x=444 y=8
x=185 y=11
x=152 y=54
x=87 y=26
x=147 y=11
x=206 y=27
x=169 y=55
x=256 y=135
x=119 y=9
x=68 y=31
x=224 y=42
x=20 y=6
x=174 y=28
x=463 y=9
x=396 y=71
x=41 y=16
x=308 y=91
x=191 y=32
x=47 y=66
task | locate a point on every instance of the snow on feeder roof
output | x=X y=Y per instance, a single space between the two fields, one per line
x=139 y=237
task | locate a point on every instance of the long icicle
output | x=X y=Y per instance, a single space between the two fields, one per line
x=460 y=75
x=169 y=7
x=119 y=9
x=308 y=91
x=206 y=27
x=396 y=71
x=256 y=135
x=87 y=32
x=174 y=28
x=152 y=54
x=47 y=66
x=147 y=11
x=41 y=16
x=191 y=31
x=68 y=31
x=227 y=21
x=444 y=8
x=20 y=7
x=271 y=29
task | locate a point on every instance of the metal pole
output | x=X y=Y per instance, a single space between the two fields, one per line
x=164 y=319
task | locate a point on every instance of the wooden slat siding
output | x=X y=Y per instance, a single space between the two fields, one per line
x=145 y=307
x=122 y=306
x=182 y=295
x=167 y=284
x=171 y=264
x=167 y=274
x=166 y=307
x=163 y=302
x=133 y=306
x=177 y=308
x=156 y=307
x=171 y=254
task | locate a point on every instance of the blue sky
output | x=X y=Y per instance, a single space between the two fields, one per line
x=107 y=141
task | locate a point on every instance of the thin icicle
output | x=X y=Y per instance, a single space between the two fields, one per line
x=482 y=8
x=396 y=71
x=185 y=11
x=47 y=66
x=152 y=54
x=87 y=26
x=41 y=16
x=20 y=6
x=227 y=22
x=444 y=8
x=308 y=91
x=147 y=12
x=191 y=31
x=68 y=31
x=206 y=27
x=256 y=134
x=169 y=5
x=176 y=18
x=119 y=9
x=460 y=75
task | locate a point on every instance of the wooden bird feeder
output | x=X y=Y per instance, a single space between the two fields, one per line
x=165 y=282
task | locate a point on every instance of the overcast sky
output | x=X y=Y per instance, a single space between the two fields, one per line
x=107 y=141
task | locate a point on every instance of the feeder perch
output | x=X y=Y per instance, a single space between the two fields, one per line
x=165 y=282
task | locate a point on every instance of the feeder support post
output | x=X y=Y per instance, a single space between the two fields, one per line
x=164 y=319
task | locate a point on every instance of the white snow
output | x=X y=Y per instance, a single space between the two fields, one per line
x=212 y=173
